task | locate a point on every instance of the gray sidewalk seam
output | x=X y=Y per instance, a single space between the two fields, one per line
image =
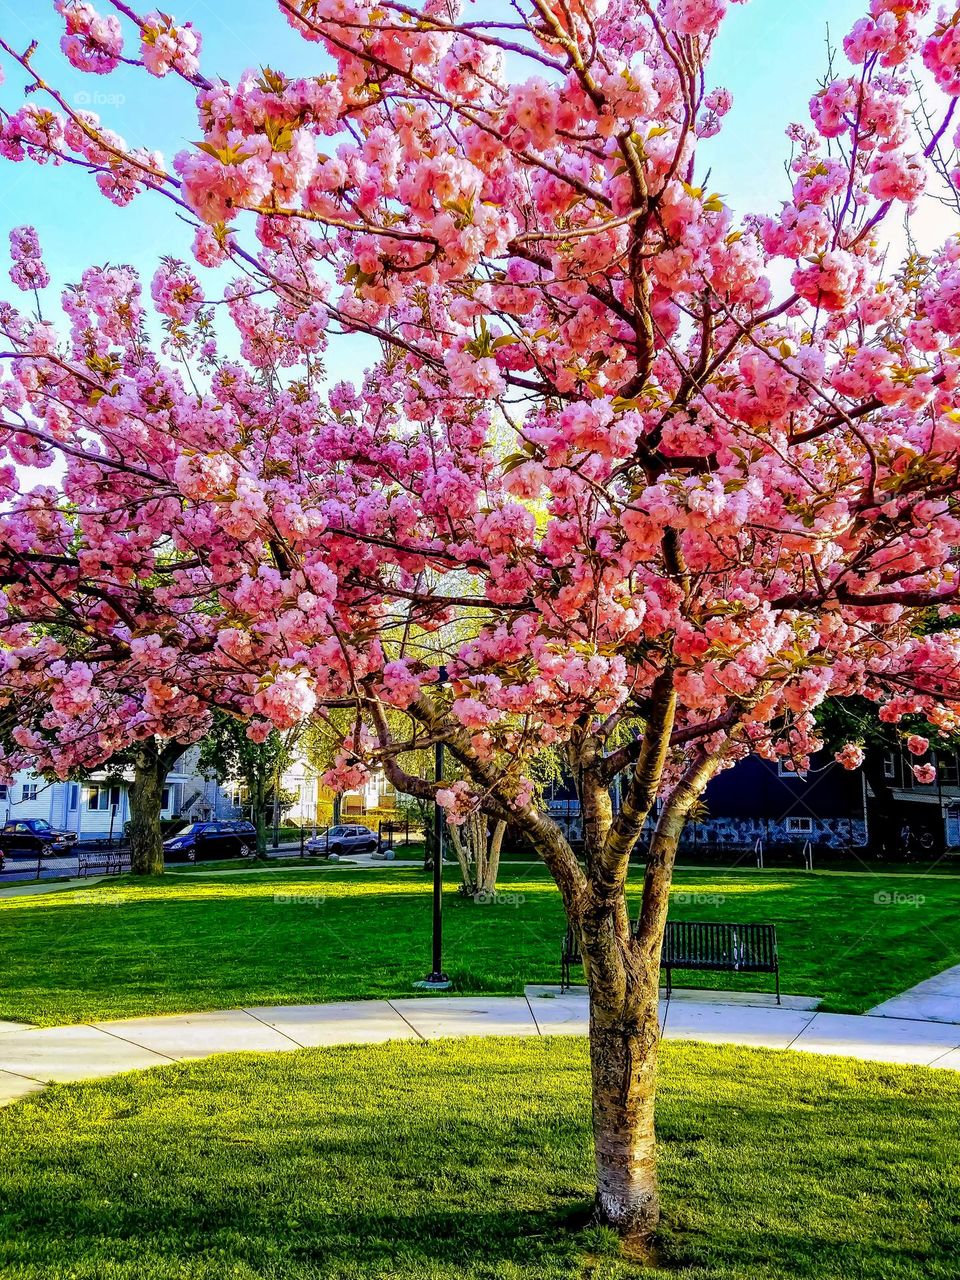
x=400 y=1015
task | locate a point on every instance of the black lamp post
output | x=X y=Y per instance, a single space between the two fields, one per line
x=436 y=979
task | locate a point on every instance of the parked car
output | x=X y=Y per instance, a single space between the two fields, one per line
x=206 y=841
x=341 y=840
x=34 y=837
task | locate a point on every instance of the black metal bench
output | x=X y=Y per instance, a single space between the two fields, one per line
x=703 y=945
x=102 y=862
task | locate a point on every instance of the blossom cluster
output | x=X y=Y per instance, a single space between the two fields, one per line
x=600 y=441
x=28 y=271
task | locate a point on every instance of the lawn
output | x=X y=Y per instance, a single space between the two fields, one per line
x=471 y=1160
x=200 y=941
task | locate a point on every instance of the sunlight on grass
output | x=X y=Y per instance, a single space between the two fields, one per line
x=123 y=947
x=471 y=1160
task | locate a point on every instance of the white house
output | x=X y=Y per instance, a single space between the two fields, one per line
x=100 y=804
x=300 y=779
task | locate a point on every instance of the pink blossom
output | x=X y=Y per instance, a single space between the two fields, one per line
x=92 y=42
x=457 y=801
x=850 y=755
x=287 y=700
x=28 y=271
x=165 y=47
x=897 y=177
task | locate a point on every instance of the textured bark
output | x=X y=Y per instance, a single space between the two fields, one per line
x=463 y=857
x=492 y=869
x=478 y=853
x=623 y=1064
x=257 y=791
x=146 y=841
x=623 y=978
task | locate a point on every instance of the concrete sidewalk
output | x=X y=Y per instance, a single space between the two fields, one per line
x=935 y=1000
x=31 y=1057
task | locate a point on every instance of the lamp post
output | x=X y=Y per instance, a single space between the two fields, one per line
x=436 y=979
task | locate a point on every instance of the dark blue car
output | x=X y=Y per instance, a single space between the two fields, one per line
x=205 y=841
x=33 y=837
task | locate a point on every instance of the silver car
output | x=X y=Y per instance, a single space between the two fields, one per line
x=343 y=840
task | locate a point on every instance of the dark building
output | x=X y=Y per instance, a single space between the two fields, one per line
x=759 y=801
x=925 y=816
x=830 y=807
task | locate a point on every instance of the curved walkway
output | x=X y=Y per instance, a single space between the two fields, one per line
x=31 y=1057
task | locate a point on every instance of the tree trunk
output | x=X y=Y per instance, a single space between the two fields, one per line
x=623 y=977
x=492 y=869
x=463 y=858
x=257 y=791
x=623 y=1064
x=146 y=792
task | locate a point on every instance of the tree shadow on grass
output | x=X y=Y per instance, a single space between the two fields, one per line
x=471 y=1159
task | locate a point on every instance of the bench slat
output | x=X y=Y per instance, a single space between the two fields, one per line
x=710 y=946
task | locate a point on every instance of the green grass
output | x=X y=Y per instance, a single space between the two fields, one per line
x=471 y=1160
x=121 y=947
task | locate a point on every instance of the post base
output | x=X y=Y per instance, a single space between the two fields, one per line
x=434 y=982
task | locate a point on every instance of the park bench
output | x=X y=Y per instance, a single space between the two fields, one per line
x=703 y=945
x=102 y=862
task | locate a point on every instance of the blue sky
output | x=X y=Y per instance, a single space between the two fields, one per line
x=770 y=55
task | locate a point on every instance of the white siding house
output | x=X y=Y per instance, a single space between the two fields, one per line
x=99 y=804
x=311 y=803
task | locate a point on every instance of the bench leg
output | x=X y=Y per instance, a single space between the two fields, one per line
x=669 y=981
x=778 y=983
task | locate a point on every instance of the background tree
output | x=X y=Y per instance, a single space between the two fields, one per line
x=229 y=753
x=730 y=484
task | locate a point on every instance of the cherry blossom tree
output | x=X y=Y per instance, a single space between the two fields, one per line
x=117 y=581
x=630 y=475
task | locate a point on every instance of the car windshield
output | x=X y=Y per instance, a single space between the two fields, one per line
x=41 y=824
x=189 y=830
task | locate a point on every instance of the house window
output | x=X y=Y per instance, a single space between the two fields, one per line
x=165 y=798
x=29 y=791
x=102 y=799
x=787 y=769
x=947 y=765
x=889 y=764
x=4 y=791
x=74 y=795
x=800 y=826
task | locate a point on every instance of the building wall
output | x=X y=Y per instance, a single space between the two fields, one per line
x=755 y=800
x=69 y=805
